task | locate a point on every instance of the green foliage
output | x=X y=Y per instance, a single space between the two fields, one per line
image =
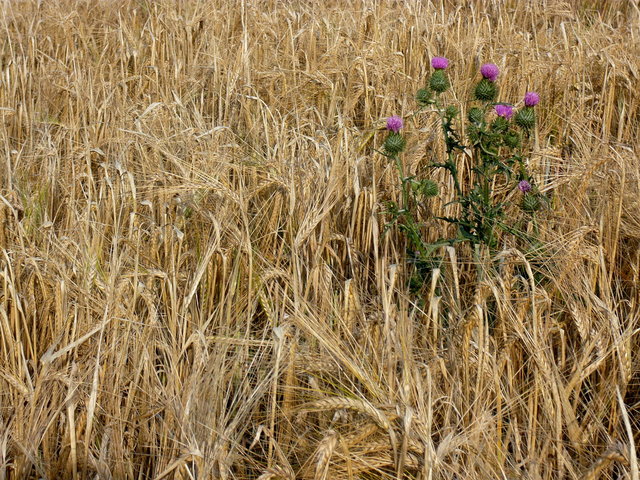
x=475 y=115
x=439 y=82
x=427 y=188
x=512 y=139
x=423 y=97
x=486 y=91
x=526 y=118
x=495 y=145
x=394 y=144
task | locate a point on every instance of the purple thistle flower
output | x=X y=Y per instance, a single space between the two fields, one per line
x=531 y=99
x=394 y=124
x=524 y=186
x=490 y=71
x=505 y=111
x=439 y=63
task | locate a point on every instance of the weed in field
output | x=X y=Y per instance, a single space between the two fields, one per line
x=493 y=143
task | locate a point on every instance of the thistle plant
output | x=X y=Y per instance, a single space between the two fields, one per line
x=495 y=141
x=413 y=191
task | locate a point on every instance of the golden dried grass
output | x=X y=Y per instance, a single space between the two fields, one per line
x=193 y=281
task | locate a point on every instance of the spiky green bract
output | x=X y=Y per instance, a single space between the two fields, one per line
x=423 y=97
x=450 y=112
x=486 y=91
x=526 y=118
x=473 y=132
x=394 y=144
x=511 y=139
x=530 y=203
x=475 y=115
x=428 y=188
x=500 y=124
x=439 y=81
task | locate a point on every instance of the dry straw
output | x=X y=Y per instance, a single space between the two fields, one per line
x=191 y=250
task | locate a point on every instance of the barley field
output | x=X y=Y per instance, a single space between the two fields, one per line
x=195 y=277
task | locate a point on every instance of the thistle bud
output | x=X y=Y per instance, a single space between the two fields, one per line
x=394 y=144
x=530 y=203
x=526 y=118
x=475 y=115
x=451 y=111
x=423 y=97
x=439 y=81
x=429 y=188
x=486 y=90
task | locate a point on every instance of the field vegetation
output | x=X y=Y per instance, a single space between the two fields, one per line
x=195 y=281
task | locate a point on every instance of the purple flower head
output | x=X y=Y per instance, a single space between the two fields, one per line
x=394 y=123
x=505 y=111
x=524 y=186
x=439 y=63
x=531 y=99
x=490 y=71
